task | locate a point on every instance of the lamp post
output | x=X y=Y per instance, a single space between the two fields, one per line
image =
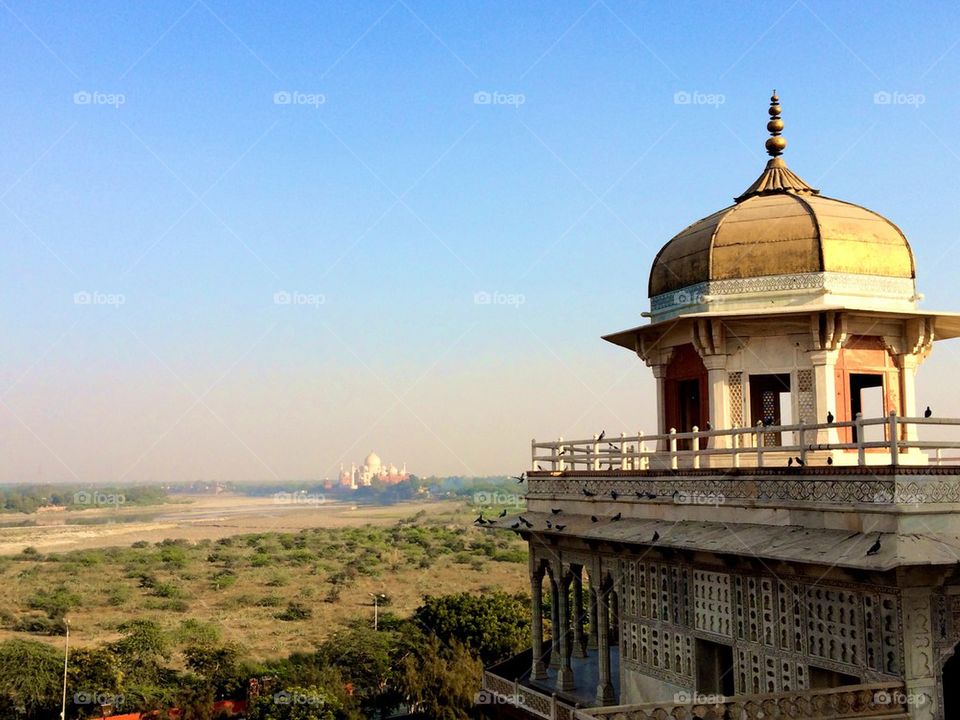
x=376 y=608
x=66 y=659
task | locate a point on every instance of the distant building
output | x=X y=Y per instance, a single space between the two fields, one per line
x=373 y=469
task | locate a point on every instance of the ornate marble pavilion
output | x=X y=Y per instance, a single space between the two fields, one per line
x=773 y=550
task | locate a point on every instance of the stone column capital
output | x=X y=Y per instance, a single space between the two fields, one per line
x=823 y=357
x=659 y=370
x=715 y=362
x=909 y=361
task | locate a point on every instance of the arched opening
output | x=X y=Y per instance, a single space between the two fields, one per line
x=951 y=685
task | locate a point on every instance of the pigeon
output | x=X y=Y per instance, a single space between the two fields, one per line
x=528 y=524
x=479 y=519
x=515 y=526
x=549 y=525
x=588 y=493
x=875 y=548
x=789 y=462
x=601 y=435
x=594 y=518
x=638 y=493
x=614 y=494
x=503 y=513
x=650 y=496
x=829 y=418
x=928 y=412
x=560 y=527
x=556 y=511
x=829 y=461
x=519 y=478
x=768 y=421
x=799 y=462
x=656 y=536
x=616 y=517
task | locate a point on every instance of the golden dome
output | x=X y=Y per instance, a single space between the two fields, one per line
x=781 y=226
x=782 y=233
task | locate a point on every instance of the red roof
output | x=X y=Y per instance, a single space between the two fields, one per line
x=234 y=706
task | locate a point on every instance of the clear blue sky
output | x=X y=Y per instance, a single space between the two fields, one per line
x=145 y=157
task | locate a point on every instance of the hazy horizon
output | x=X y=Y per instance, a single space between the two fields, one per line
x=248 y=242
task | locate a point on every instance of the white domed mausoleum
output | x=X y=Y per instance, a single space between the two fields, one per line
x=372 y=470
x=786 y=542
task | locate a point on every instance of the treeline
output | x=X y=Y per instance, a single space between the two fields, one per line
x=429 y=664
x=28 y=498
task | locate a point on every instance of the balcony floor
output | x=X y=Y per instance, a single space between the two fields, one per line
x=585 y=677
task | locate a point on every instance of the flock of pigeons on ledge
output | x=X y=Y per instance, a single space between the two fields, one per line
x=645 y=495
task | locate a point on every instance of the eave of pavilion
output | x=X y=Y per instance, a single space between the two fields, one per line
x=791 y=544
x=946 y=324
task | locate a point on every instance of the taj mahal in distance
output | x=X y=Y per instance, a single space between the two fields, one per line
x=373 y=470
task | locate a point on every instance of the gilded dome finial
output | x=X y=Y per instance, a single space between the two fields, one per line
x=775 y=143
